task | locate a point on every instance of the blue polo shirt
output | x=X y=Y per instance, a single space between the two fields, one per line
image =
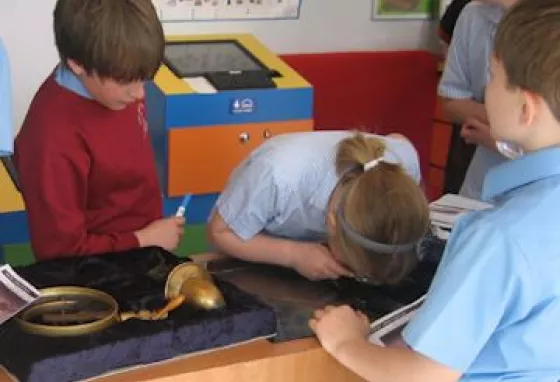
x=284 y=186
x=6 y=121
x=493 y=310
x=67 y=79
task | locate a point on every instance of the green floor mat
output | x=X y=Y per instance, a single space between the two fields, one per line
x=193 y=242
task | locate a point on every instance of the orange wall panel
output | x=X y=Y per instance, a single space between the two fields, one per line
x=436 y=180
x=201 y=159
x=441 y=139
x=440 y=114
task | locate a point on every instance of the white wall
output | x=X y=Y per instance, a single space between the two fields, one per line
x=324 y=25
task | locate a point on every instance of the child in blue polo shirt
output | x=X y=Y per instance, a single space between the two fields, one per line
x=326 y=204
x=493 y=309
x=6 y=142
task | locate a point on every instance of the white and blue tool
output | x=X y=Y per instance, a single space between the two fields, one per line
x=183 y=207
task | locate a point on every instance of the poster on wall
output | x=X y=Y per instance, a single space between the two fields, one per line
x=404 y=9
x=216 y=10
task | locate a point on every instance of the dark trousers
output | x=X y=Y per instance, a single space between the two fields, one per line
x=459 y=157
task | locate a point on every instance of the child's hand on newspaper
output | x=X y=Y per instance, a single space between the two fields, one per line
x=338 y=326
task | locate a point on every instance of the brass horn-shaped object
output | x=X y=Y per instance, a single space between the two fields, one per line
x=191 y=284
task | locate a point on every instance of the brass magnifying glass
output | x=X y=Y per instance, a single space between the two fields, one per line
x=70 y=311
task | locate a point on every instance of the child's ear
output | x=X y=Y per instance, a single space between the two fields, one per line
x=531 y=104
x=331 y=219
x=75 y=67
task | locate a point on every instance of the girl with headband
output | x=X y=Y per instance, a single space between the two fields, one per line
x=326 y=204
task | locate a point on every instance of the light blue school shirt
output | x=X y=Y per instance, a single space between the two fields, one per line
x=6 y=117
x=284 y=186
x=466 y=74
x=67 y=79
x=493 y=310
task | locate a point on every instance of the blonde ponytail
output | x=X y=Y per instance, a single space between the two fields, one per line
x=383 y=205
x=356 y=151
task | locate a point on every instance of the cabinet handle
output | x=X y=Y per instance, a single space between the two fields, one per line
x=267 y=134
x=244 y=137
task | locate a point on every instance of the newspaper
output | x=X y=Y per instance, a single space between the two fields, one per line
x=15 y=293
x=447 y=210
x=387 y=330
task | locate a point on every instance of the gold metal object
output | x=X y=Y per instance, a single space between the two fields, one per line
x=70 y=311
x=59 y=312
x=54 y=301
x=194 y=284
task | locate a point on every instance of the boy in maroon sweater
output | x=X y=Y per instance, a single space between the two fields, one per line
x=83 y=154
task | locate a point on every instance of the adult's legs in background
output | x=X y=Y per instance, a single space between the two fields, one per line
x=459 y=157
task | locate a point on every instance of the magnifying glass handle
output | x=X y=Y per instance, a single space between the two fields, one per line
x=171 y=305
x=145 y=315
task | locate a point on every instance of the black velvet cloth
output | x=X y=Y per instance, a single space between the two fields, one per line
x=377 y=301
x=136 y=280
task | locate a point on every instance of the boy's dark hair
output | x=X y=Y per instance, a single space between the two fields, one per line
x=528 y=45
x=118 y=39
x=449 y=19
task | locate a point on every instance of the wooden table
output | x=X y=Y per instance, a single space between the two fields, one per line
x=300 y=360
x=261 y=360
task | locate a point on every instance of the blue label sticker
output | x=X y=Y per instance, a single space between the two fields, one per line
x=242 y=106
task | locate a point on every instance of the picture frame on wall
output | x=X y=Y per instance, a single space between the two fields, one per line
x=404 y=9
x=227 y=10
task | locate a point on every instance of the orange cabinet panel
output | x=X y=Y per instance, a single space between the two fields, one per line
x=440 y=114
x=441 y=139
x=201 y=159
x=436 y=179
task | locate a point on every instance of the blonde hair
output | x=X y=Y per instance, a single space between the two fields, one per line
x=383 y=204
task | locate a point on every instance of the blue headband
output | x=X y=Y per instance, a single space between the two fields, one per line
x=366 y=243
